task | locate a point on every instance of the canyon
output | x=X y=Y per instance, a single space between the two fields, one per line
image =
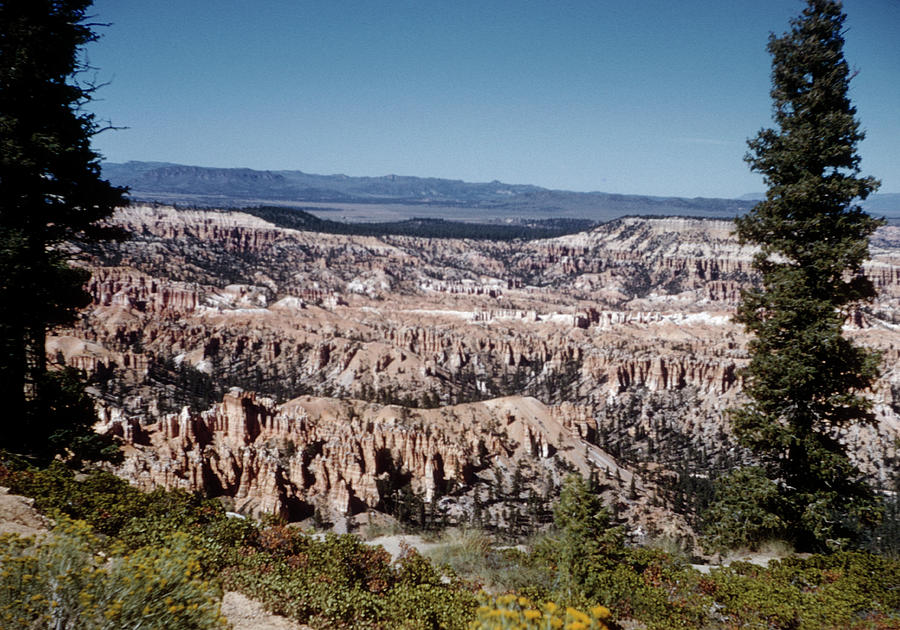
x=308 y=374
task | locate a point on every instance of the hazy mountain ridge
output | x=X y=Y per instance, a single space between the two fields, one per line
x=399 y=198
x=886 y=204
x=232 y=187
x=164 y=177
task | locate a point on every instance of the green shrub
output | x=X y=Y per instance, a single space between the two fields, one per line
x=341 y=580
x=100 y=498
x=844 y=590
x=138 y=519
x=64 y=582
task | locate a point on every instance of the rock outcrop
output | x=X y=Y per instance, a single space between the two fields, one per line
x=345 y=455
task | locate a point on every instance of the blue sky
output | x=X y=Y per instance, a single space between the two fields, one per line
x=638 y=96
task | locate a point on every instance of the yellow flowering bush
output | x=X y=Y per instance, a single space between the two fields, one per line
x=63 y=581
x=511 y=612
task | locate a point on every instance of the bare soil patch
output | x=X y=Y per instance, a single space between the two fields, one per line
x=18 y=516
x=246 y=614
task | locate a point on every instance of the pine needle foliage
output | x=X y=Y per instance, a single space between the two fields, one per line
x=805 y=379
x=51 y=191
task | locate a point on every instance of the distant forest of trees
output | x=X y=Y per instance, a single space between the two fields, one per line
x=297 y=219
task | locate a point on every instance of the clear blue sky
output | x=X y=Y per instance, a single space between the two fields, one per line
x=638 y=96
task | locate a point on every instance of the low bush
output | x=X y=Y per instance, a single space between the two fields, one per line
x=335 y=580
x=845 y=590
x=339 y=580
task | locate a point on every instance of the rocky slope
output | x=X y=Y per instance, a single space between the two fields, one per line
x=623 y=332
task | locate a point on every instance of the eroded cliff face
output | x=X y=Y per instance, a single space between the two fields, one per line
x=341 y=457
x=630 y=323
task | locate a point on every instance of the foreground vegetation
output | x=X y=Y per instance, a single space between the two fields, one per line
x=118 y=554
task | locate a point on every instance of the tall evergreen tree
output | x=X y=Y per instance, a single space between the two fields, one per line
x=589 y=545
x=804 y=378
x=50 y=191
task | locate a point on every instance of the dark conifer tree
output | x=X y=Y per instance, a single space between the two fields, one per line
x=50 y=191
x=805 y=378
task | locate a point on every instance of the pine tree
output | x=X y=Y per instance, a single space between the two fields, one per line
x=50 y=191
x=588 y=543
x=805 y=379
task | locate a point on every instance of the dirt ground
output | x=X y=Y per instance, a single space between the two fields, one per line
x=247 y=614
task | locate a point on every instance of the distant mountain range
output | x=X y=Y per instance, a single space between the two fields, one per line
x=880 y=205
x=393 y=197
